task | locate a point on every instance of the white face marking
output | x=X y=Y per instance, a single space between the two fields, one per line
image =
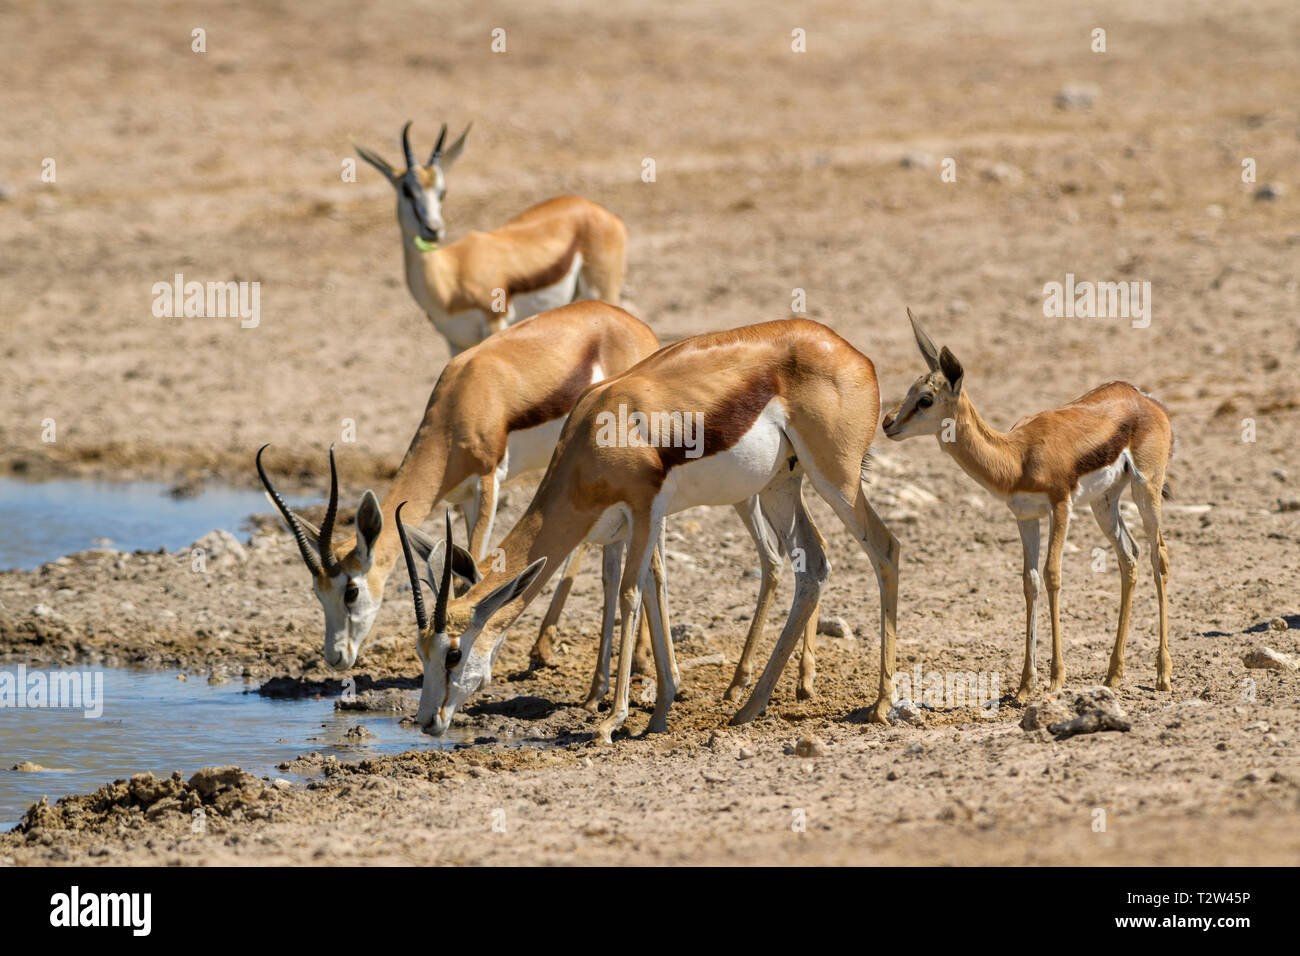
x=444 y=691
x=347 y=625
x=419 y=209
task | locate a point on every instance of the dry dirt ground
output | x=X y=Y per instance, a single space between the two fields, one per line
x=775 y=171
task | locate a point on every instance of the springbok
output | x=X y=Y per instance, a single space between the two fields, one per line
x=774 y=402
x=494 y=414
x=1083 y=453
x=560 y=250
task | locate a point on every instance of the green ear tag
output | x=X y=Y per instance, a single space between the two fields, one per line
x=424 y=245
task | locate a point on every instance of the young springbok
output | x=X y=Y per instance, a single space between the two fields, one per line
x=560 y=250
x=494 y=414
x=1083 y=453
x=772 y=403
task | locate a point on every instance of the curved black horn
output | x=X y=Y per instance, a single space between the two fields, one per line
x=437 y=148
x=421 y=619
x=406 y=146
x=440 y=605
x=299 y=535
x=327 y=526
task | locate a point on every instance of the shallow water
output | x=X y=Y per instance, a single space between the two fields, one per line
x=45 y=520
x=152 y=721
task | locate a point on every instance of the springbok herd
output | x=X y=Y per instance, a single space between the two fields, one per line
x=544 y=362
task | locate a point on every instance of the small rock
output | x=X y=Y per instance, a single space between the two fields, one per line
x=745 y=754
x=1077 y=96
x=1265 y=658
x=685 y=633
x=691 y=663
x=809 y=746
x=1065 y=705
x=1288 y=504
x=835 y=627
x=914 y=749
x=1267 y=192
x=1257 y=725
x=220 y=548
x=44 y=610
x=713 y=777
x=1278 y=624
x=916 y=161
x=905 y=712
x=1002 y=173
x=359 y=731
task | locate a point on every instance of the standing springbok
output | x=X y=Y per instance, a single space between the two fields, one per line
x=1083 y=453
x=494 y=414
x=772 y=403
x=557 y=251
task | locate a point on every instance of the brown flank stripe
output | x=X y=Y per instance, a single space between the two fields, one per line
x=560 y=401
x=1103 y=455
x=725 y=423
x=548 y=276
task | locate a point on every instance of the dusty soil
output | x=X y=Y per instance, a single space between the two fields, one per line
x=775 y=171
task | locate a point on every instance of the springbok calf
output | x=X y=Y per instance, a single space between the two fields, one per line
x=1083 y=453
x=549 y=255
x=775 y=402
x=494 y=414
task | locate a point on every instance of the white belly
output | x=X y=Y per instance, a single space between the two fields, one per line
x=462 y=330
x=743 y=470
x=549 y=297
x=1091 y=487
x=1095 y=484
x=530 y=449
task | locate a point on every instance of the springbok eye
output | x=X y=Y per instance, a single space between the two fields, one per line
x=925 y=401
x=453 y=657
x=350 y=593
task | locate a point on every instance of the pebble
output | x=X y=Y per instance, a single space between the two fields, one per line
x=835 y=627
x=809 y=746
x=1267 y=192
x=1077 y=96
x=1265 y=658
x=905 y=712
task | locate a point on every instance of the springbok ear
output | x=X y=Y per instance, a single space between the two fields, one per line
x=952 y=369
x=432 y=571
x=421 y=543
x=507 y=592
x=452 y=152
x=377 y=161
x=463 y=566
x=370 y=521
x=924 y=343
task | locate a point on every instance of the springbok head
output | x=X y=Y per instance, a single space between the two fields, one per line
x=458 y=647
x=420 y=187
x=348 y=585
x=932 y=399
